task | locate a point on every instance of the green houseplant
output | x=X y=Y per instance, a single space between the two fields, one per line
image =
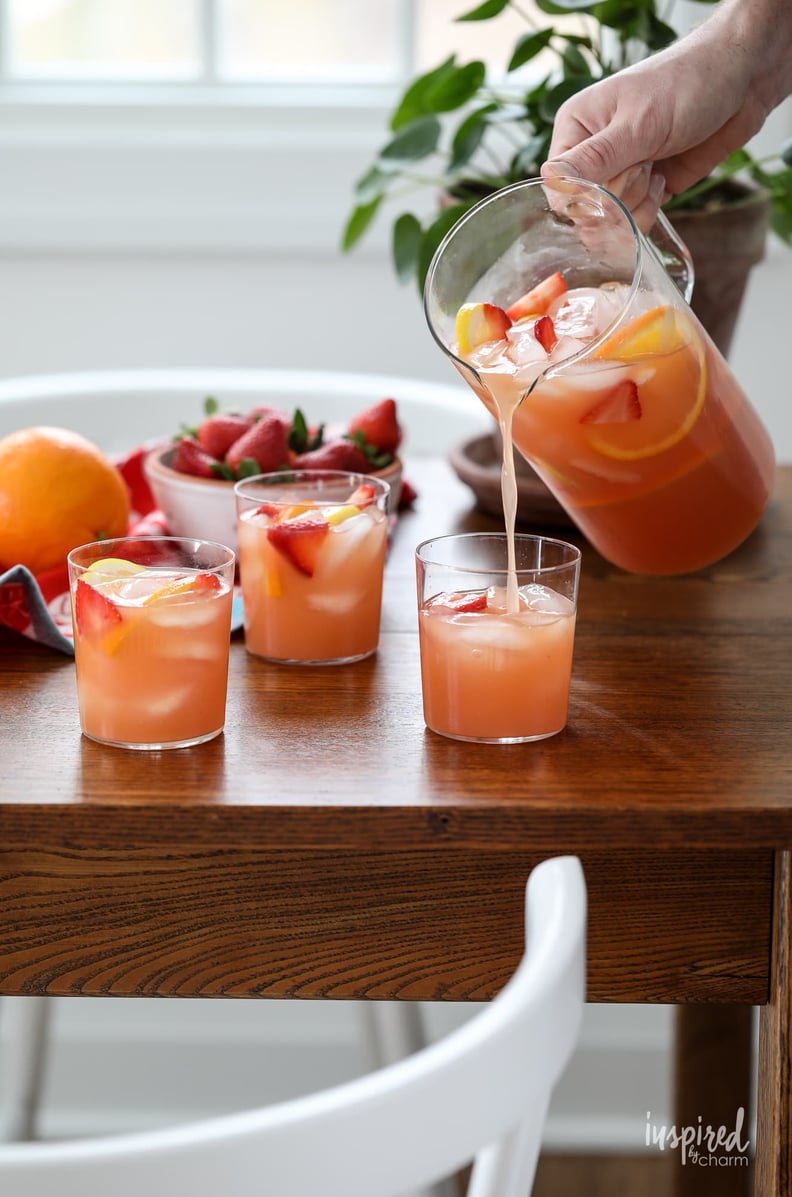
x=455 y=132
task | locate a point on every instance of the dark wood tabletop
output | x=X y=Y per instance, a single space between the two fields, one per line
x=328 y=845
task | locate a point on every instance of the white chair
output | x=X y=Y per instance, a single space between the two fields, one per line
x=482 y=1092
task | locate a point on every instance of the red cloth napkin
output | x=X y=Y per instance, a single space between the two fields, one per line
x=38 y=605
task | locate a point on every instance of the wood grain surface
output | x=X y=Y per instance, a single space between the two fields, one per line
x=328 y=845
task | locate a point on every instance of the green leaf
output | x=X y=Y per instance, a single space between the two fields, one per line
x=358 y=222
x=564 y=7
x=211 y=405
x=247 y=467
x=575 y=63
x=526 y=162
x=413 y=102
x=221 y=470
x=414 y=141
x=298 y=433
x=371 y=185
x=658 y=33
x=407 y=234
x=435 y=234
x=528 y=46
x=483 y=12
x=468 y=136
x=562 y=91
x=456 y=87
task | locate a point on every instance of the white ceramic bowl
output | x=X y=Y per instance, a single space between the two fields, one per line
x=205 y=507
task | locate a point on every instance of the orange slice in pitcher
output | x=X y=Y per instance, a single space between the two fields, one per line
x=670 y=403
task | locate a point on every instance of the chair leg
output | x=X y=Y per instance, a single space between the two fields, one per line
x=391 y=1031
x=23 y=1068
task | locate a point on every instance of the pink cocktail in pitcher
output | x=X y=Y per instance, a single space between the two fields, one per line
x=496 y=643
x=312 y=547
x=561 y=317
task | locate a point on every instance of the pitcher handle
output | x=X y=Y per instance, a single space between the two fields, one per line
x=674 y=255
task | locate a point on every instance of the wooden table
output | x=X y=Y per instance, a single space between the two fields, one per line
x=329 y=846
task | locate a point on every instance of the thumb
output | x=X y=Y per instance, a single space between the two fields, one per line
x=595 y=158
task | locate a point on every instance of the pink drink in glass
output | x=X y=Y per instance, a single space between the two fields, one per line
x=152 y=621
x=312 y=550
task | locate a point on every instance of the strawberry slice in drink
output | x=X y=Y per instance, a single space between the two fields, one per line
x=299 y=541
x=619 y=406
x=467 y=601
x=545 y=333
x=97 y=617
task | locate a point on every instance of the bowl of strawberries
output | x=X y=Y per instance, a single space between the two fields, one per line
x=192 y=476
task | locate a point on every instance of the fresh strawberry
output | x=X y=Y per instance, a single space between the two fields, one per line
x=190 y=458
x=299 y=541
x=264 y=447
x=407 y=495
x=335 y=455
x=620 y=405
x=378 y=426
x=545 y=333
x=536 y=301
x=363 y=496
x=217 y=434
x=97 y=617
x=263 y=410
x=467 y=601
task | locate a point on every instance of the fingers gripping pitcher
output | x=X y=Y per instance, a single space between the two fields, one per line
x=566 y=323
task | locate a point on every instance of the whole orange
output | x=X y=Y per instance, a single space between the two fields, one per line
x=57 y=491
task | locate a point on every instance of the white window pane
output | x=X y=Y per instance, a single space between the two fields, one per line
x=438 y=34
x=105 y=39
x=345 y=41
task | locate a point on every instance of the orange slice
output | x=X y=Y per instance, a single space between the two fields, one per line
x=671 y=401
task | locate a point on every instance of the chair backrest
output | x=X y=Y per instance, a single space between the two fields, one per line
x=481 y=1092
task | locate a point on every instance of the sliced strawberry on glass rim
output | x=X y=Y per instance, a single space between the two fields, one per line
x=299 y=541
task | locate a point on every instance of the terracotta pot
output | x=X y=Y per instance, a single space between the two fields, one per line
x=725 y=244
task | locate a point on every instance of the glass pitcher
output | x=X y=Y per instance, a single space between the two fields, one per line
x=574 y=330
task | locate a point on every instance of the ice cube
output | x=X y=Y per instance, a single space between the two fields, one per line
x=541 y=600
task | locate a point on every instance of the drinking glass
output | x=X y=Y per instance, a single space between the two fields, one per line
x=152 y=627
x=565 y=321
x=312 y=549
x=496 y=644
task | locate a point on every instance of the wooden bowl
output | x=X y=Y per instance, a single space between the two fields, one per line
x=477 y=462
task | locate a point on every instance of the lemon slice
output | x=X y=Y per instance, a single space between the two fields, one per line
x=111 y=567
x=673 y=399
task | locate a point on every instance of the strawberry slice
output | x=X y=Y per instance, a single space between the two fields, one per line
x=299 y=541
x=97 y=617
x=363 y=496
x=477 y=323
x=619 y=406
x=545 y=333
x=536 y=301
x=469 y=601
x=270 y=509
